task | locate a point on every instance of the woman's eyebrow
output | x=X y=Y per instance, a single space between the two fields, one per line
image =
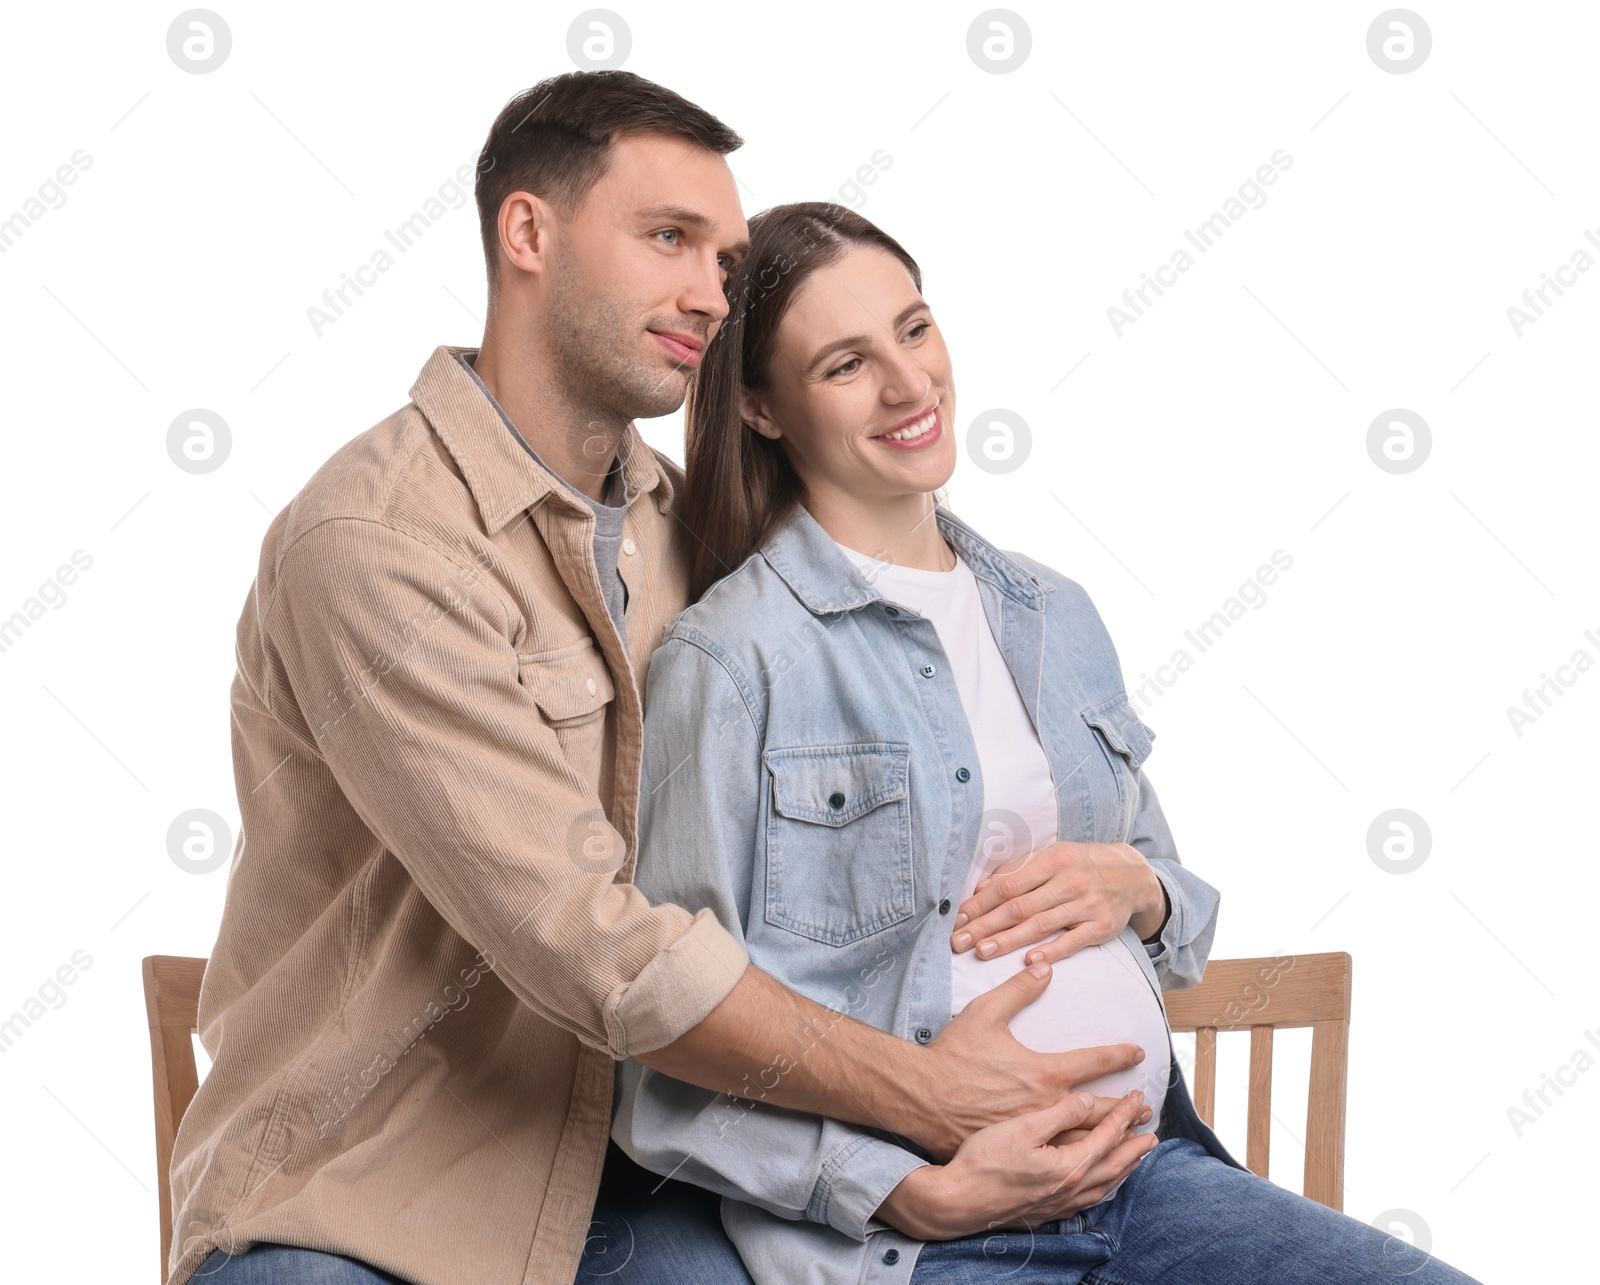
x=857 y=341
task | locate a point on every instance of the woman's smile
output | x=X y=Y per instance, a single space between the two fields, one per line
x=914 y=434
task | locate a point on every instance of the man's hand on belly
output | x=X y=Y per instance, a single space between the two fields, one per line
x=1019 y=1174
x=1089 y=892
x=976 y=1073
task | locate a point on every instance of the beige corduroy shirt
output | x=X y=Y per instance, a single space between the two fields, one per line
x=431 y=954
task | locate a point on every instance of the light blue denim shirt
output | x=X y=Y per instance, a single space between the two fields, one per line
x=809 y=774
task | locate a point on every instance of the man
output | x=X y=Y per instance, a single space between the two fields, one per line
x=431 y=955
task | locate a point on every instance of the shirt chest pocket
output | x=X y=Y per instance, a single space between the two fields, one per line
x=1126 y=743
x=838 y=840
x=573 y=689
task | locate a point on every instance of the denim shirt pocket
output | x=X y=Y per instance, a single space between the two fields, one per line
x=838 y=840
x=1126 y=743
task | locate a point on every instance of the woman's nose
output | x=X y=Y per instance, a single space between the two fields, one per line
x=906 y=382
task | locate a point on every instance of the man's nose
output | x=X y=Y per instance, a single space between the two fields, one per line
x=703 y=293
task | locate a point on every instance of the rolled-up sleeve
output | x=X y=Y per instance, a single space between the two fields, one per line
x=698 y=836
x=396 y=662
x=1180 y=953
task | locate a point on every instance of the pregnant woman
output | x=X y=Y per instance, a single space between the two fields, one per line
x=869 y=710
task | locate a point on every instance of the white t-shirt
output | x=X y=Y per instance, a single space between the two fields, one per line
x=1098 y=994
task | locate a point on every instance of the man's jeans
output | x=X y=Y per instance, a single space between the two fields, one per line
x=1185 y=1218
x=270 y=1264
x=646 y=1230
x=643 y=1231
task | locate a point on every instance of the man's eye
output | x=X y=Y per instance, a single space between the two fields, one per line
x=670 y=232
x=917 y=330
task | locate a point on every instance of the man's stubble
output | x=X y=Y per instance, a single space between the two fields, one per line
x=595 y=339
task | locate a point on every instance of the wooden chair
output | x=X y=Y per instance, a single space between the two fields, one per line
x=171 y=998
x=1261 y=996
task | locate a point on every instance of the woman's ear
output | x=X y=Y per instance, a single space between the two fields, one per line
x=754 y=413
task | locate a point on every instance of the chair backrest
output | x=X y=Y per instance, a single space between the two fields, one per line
x=1261 y=996
x=171 y=999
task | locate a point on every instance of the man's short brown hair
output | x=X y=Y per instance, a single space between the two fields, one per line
x=552 y=140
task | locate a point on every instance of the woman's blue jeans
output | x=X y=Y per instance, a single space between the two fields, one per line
x=1185 y=1218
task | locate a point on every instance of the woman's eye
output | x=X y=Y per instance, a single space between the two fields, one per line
x=846 y=368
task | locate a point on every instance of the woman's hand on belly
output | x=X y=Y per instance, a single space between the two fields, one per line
x=1087 y=892
x=1019 y=1174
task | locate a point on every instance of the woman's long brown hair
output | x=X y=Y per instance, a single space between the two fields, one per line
x=741 y=486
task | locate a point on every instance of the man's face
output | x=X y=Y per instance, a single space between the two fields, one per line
x=634 y=288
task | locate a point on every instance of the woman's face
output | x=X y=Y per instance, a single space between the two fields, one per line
x=859 y=390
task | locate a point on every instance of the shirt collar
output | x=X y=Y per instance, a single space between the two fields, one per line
x=504 y=479
x=819 y=574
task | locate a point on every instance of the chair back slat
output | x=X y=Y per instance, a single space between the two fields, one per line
x=1264 y=996
x=1205 y=1072
x=1258 y=1118
x=171 y=1001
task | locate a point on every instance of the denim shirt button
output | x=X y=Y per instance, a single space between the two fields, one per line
x=923 y=1035
x=928 y=671
x=891 y=1256
x=963 y=775
x=944 y=906
x=891 y=611
x=836 y=800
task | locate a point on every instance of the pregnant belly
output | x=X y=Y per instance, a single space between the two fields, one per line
x=1098 y=995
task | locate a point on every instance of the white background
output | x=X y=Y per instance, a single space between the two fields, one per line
x=1229 y=421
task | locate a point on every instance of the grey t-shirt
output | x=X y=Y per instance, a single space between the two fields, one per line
x=608 y=511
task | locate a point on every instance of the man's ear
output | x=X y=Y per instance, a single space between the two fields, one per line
x=753 y=411
x=525 y=226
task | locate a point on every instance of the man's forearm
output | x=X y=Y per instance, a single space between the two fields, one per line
x=769 y=1044
x=765 y=1042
